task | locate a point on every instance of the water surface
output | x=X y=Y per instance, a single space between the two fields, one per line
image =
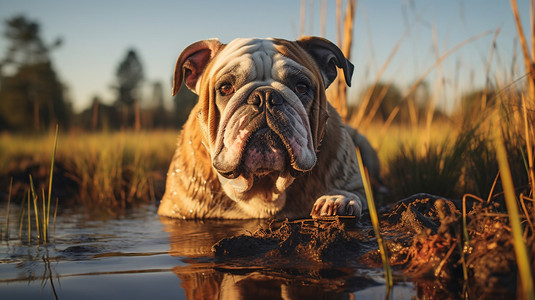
x=142 y=256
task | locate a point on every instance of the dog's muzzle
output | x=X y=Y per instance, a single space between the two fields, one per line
x=263 y=149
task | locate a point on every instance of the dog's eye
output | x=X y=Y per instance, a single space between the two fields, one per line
x=226 y=89
x=301 y=88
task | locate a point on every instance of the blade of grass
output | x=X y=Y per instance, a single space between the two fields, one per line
x=444 y=260
x=323 y=17
x=21 y=216
x=21 y=220
x=532 y=21
x=8 y=202
x=524 y=208
x=531 y=173
x=465 y=226
x=29 y=220
x=375 y=222
x=493 y=186
x=51 y=176
x=522 y=38
x=438 y=87
x=338 y=22
x=54 y=221
x=377 y=101
x=464 y=248
x=36 y=210
x=523 y=261
x=487 y=71
x=302 y=16
x=388 y=121
x=347 y=42
x=44 y=227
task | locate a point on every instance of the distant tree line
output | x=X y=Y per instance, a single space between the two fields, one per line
x=32 y=97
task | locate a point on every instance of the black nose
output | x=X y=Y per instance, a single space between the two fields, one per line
x=263 y=96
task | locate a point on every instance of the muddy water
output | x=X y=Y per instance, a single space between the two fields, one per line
x=142 y=256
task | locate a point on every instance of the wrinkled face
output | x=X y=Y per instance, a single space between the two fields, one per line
x=263 y=100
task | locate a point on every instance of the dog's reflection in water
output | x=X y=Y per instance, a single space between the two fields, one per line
x=208 y=277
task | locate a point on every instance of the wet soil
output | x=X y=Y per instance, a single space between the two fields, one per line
x=425 y=240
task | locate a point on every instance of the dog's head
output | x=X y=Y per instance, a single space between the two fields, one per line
x=262 y=108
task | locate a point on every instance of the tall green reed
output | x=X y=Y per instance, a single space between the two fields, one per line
x=522 y=256
x=375 y=222
x=41 y=207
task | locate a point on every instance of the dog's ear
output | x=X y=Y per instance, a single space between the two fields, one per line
x=192 y=62
x=327 y=56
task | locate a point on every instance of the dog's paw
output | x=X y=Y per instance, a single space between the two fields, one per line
x=341 y=203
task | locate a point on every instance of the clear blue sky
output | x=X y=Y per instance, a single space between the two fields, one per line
x=97 y=35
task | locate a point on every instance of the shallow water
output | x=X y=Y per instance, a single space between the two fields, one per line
x=142 y=256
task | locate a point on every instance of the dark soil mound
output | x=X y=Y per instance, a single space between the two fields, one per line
x=323 y=240
x=425 y=240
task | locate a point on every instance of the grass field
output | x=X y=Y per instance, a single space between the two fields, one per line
x=114 y=169
x=107 y=171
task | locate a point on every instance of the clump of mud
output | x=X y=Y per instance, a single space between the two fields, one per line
x=425 y=238
x=302 y=254
x=324 y=240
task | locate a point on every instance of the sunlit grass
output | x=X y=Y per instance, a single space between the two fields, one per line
x=13 y=147
x=111 y=169
x=116 y=169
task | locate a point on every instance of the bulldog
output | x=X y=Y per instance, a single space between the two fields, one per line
x=263 y=141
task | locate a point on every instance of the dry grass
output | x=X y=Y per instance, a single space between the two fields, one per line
x=110 y=170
